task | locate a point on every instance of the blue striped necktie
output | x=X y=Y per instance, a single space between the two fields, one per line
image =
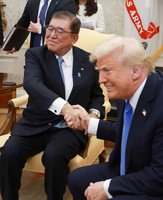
x=37 y=38
x=60 y=61
x=62 y=123
x=128 y=115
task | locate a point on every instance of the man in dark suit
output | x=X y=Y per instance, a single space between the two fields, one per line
x=51 y=96
x=32 y=10
x=135 y=167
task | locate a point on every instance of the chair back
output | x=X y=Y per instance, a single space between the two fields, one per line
x=89 y=39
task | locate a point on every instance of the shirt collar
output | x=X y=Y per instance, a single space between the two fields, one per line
x=134 y=99
x=68 y=58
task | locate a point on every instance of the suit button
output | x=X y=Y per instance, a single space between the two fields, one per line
x=49 y=124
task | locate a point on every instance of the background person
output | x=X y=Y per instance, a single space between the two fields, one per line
x=91 y=11
x=31 y=17
x=135 y=167
x=52 y=89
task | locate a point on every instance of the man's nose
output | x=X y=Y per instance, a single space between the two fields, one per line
x=102 y=77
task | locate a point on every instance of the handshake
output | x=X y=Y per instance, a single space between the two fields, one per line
x=77 y=117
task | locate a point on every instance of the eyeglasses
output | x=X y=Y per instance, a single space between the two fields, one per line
x=58 y=30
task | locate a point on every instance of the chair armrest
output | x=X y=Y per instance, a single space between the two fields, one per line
x=93 y=149
x=10 y=119
x=19 y=101
x=11 y=115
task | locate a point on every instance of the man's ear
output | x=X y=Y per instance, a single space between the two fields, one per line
x=75 y=38
x=137 y=71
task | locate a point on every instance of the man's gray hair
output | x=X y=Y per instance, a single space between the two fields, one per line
x=131 y=51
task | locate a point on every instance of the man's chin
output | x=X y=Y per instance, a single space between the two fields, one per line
x=112 y=96
x=51 y=48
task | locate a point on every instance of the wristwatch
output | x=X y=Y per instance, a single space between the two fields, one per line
x=95 y=112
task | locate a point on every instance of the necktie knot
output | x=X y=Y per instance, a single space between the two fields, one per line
x=60 y=60
x=128 y=107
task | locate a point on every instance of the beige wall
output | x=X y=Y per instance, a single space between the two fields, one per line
x=113 y=13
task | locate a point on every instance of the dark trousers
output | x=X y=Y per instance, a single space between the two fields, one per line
x=59 y=147
x=80 y=179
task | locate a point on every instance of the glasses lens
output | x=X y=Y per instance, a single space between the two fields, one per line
x=60 y=30
x=49 y=29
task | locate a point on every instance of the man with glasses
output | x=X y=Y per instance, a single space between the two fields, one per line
x=57 y=76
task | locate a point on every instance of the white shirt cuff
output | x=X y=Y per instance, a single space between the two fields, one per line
x=106 y=188
x=93 y=126
x=39 y=30
x=57 y=106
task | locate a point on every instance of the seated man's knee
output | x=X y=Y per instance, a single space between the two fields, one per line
x=11 y=153
x=53 y=158
x=73 y=178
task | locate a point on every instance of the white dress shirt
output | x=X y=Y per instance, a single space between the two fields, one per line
x=67 y=67
x=93 y=126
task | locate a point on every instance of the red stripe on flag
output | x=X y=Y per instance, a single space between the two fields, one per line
x=136 y=19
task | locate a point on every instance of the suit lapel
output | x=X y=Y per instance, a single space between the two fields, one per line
x=142 y=112
x=53 y=68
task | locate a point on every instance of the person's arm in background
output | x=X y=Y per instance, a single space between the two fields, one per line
x=24 y=20
x=1 y=33
x=68 y=5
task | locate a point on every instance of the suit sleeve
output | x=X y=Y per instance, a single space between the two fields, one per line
x=28 y=11
x=149 y=179
x=97 y=98
x=107 y=130
x=34 y=81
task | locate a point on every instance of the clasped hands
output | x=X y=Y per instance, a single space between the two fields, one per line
x=76 y=117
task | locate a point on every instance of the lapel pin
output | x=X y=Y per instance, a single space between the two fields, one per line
x=144 y=112
x=82 y=69
x=79 y=75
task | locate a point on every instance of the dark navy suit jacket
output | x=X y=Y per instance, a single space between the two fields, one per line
x=144 y=151
x=31 y=12
x=43 y=82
